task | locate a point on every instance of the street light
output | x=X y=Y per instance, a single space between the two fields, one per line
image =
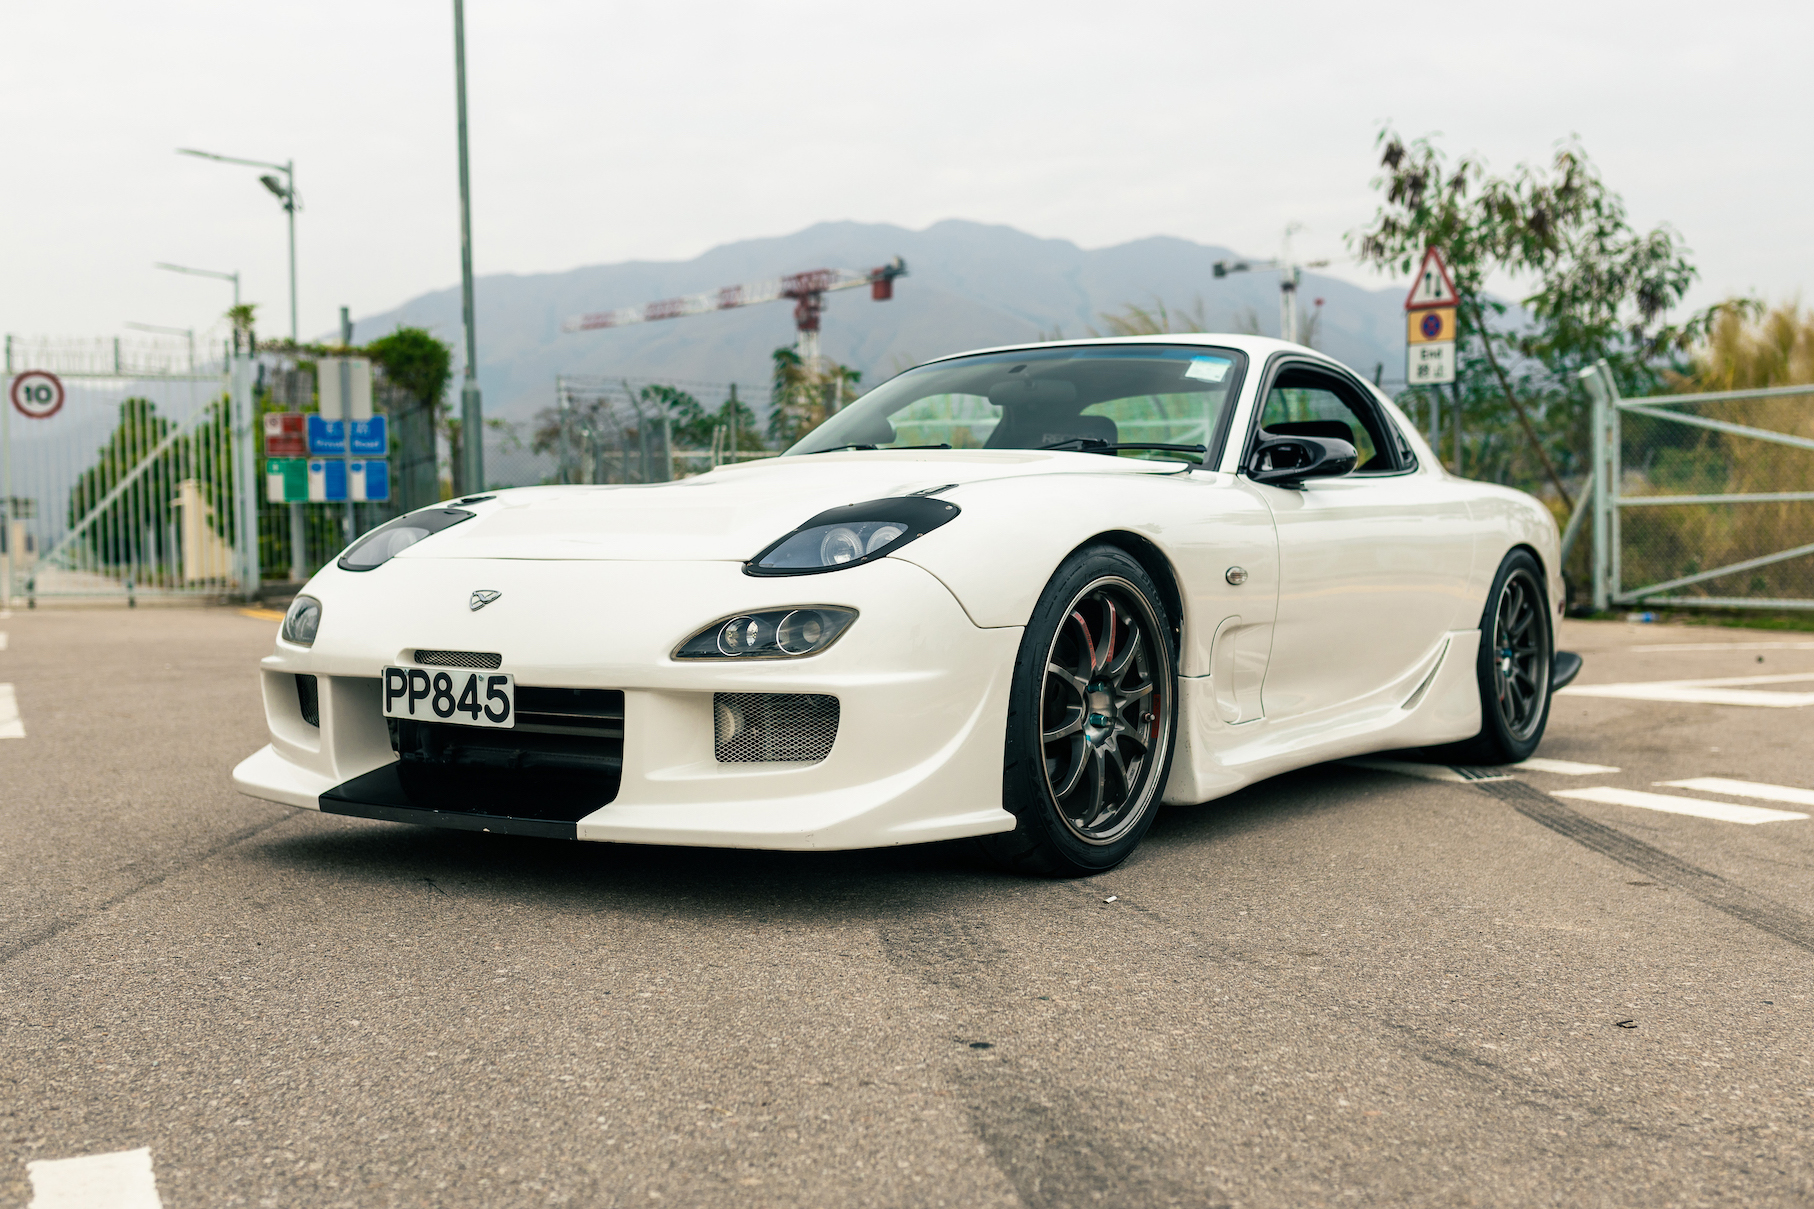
x=187 y=332
x=218 y=276
x=285 y=191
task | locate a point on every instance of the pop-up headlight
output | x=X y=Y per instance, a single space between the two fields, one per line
x=769 y=634
x=855 y=533
x=388 y=540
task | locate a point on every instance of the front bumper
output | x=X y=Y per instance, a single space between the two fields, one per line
x=922 y=694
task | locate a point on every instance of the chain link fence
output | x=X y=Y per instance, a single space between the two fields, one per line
x=625 y=430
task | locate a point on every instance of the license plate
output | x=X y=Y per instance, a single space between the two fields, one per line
x=467 y=698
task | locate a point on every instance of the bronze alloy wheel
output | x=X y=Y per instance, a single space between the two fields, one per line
x=1103 y=711
x=1521 y=655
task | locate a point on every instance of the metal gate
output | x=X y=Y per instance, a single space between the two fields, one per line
x=130 y=487
x=1700 y=499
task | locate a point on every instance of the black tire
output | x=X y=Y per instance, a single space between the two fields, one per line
x=1092 y=720
x=1517 y=649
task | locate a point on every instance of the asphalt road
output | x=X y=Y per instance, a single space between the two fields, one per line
x=1342 y=987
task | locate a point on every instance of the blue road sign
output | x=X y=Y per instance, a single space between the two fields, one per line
x=327 y=438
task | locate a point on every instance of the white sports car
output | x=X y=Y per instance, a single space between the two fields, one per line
x=1023 y=595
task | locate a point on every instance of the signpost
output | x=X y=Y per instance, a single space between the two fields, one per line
x=1430 y=339
x=36 y=394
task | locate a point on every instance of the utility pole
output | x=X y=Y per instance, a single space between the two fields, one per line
x=346 y=413
x=1290 y=273
x=472 y=414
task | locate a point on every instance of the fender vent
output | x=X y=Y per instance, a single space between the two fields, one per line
x=760 y=728
x=488 y=660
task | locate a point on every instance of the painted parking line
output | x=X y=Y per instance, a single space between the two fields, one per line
x=1430 y=772
x=1566 y=768
x=11 y=727
x=1727 y=690
x=1745 y=789
x=121 y=1180
x=1668 y=803
x=1726 y=646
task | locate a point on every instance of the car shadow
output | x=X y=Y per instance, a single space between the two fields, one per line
x=878 y=883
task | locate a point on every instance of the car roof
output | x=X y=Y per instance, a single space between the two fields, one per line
x=1257 y=348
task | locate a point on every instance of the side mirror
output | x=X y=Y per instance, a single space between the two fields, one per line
x=1288 y=461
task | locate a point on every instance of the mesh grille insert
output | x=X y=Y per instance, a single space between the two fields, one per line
x=751 y=728
x=487 y=660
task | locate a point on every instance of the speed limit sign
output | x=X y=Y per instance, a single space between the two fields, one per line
x=37 y=393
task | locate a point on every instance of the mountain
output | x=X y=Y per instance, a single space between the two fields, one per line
x=970 y=285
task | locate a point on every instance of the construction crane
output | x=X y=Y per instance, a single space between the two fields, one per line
x=807 y=289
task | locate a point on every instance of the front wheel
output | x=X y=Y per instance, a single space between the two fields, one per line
x=1517 y=646
x=1091 y=718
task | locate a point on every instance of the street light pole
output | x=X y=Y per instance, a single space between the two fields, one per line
x=472 y=417
x=285 y=192
x=218 y=276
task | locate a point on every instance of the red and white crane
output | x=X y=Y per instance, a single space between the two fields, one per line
x=807 y=289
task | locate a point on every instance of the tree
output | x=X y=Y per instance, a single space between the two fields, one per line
x=804 y=395
x=1603 y=290
x=414 y=362
x=417 y=368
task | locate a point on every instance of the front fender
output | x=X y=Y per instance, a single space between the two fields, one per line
x=999 y=555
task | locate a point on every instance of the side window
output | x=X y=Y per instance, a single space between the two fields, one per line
x=1303 y=402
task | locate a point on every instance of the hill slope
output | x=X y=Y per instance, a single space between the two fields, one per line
x=970 y=285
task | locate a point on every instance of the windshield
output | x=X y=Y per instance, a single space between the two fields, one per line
x=1043 y=397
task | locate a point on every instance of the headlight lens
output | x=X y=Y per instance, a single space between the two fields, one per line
x=769 y=634
x=389 y=540
x=857 y=533
x=302 y=621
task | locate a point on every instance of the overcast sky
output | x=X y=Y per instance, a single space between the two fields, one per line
x=612 y=131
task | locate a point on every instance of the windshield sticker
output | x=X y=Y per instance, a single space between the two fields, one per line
x=1209 y=369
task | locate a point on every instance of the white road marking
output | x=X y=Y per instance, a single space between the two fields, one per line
x=1428 y=772
x=10 y=725
x=1670 y=803
x=122 y=1180
x=1567 y=768
x=2 y=640
x=1719 y=691
x=1727 y=646
x=1745 y=789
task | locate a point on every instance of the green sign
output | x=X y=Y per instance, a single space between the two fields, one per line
x=287 y=480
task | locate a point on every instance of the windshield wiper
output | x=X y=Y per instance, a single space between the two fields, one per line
x=1096 y=445
x=837 y=448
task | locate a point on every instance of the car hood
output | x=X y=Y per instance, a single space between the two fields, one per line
x=731 y=513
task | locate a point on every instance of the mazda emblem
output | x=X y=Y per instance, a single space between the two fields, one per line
x=481 y=598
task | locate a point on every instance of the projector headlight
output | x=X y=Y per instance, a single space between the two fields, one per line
x=853 y=534
x=302 y=621
x=769 y=634
x=389 y=540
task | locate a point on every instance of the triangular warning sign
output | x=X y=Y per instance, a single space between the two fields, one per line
x=1434 y=286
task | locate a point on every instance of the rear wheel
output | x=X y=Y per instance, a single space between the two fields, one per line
x=1517 y=646
x=1091 y=718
